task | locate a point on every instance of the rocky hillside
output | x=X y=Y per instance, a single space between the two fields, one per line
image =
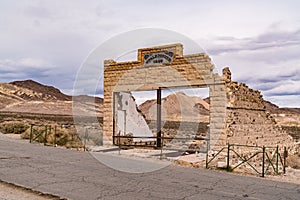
x=32 y=97
x=193 y=107
x=284 y=116
x=274 y=109
x=39 y=91
x=177 y=107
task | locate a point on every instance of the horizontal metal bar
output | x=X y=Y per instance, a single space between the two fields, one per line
x=135 y=145
x=183 y=150
x=182 y=138
x=240 y=108
x=124 y=136
x=242 y=145
x=150 y=137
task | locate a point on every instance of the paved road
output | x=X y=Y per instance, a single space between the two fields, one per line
x=11 y=192
x=77 y=175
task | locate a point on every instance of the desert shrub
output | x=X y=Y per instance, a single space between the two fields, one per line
x=13 y=127
x=36 y=131
x=94 y=137
x=54 y=136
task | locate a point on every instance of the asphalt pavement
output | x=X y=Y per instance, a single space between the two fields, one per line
x=78 y=175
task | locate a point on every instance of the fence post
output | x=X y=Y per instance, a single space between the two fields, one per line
x=228 y=149
x=85 y=136
x=119 y=142
x=55 y=135
x=30 y=136
x=50 y=128
x=206 y=161
x=285 y=154
x=45 y=135
x=277 y=159
x=263 y=162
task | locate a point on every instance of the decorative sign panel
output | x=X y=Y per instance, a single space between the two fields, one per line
x=158 y=57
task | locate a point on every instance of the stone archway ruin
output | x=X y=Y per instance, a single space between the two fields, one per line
x=237 y=112
x=159 y=68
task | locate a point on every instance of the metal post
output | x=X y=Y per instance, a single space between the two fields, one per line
x=158 y=120
x=30 y=136
x=119 y=142
x=208 y=137
x=285 y=154
x=55 y=135
x=114 y=118
x=50 y=128
x=207 y=150
x=228 y=149
x=45 y=135
x=277 y=159
x=263 y=162
x=85 y=136
x=206 y=161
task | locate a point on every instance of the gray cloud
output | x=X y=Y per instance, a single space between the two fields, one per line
x=268 y=40
x=54 y=37
x=268 y=62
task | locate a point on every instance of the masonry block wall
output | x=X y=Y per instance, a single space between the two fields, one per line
x=247 y=121
x=237 y=112
x=188 y=71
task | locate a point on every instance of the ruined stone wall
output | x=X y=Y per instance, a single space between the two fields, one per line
x=237 y=112
x=187 y=71
x=247 y=121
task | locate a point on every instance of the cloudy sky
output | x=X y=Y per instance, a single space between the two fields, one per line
x=48 y=40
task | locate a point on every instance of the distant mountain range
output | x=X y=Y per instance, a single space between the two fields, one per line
x=177 y=107
x=33 y=97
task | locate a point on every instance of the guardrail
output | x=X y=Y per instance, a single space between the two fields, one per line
x=268 y=161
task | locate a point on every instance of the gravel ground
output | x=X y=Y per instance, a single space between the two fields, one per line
x=12 y=192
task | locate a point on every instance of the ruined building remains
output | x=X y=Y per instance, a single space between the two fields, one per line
x=248 y=122
x=159 y=68
x=237 y=112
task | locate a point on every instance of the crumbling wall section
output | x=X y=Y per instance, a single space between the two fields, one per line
x=128 y=119
x=247 y=121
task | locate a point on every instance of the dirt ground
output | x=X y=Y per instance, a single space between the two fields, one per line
x=12 y=192
x=291 y=176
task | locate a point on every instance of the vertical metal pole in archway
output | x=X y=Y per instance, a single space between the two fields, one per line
x=158 y=120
